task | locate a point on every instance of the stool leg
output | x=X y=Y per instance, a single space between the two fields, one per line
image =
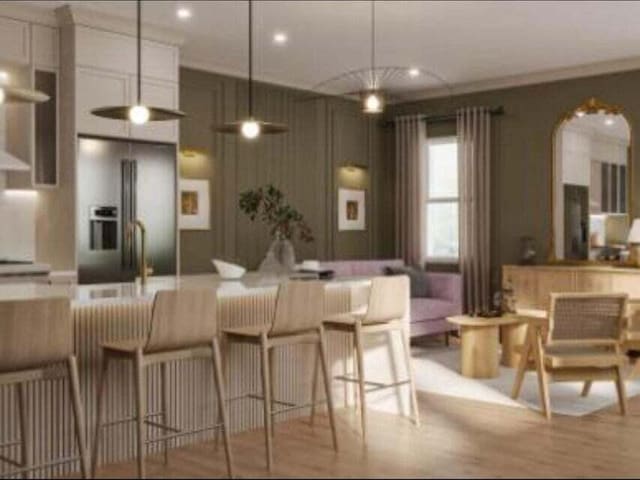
x=25 y=437
x=266 y=392
x=314 y=384
x=78 y=414
x=327 y=386
x=586 y=388
x=223 y=347
x=139 y=387
x=99 y=414
x=361 y=385
x=219 y=380
x=272 y=387
x=164 y=373
x=406 y=347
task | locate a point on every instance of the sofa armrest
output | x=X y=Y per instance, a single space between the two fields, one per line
x=445 y=286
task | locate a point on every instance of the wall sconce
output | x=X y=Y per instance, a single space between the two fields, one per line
x=352 y=167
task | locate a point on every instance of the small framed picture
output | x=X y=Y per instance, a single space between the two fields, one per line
x=194 y=205
x=351 y=209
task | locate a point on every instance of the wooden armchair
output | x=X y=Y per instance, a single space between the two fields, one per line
x=584 y=342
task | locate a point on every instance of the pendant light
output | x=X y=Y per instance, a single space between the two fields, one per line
x=372 y=99
x=9 y=94
x=138 y=114
x=250 y=128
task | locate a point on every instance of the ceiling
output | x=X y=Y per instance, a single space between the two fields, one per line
x=472 y=45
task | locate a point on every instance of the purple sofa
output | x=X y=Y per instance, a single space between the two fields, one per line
x=428 y=315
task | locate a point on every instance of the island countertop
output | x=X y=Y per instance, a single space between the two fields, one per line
x=118 y=293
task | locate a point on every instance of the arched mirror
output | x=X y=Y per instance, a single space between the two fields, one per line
x=591 y=184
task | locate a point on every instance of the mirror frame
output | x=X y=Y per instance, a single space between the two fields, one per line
x=592 y=105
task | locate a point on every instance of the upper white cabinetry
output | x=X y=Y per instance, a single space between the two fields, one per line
x=117 y=53
x=106 y=66
x=45 y=46
x=15 y=42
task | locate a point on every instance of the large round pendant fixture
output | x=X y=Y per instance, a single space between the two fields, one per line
x=250 y=128
x=138 y=114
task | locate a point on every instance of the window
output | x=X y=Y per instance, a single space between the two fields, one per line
x=442 y=200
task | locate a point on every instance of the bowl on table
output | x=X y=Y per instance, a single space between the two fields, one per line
x=228 y=271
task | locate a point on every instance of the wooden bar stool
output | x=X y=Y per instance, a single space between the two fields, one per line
x=36 y=340
x=183 y=327
x=297 y=320
x=388 y=302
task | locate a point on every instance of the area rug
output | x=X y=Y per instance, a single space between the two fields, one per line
x=437 y=371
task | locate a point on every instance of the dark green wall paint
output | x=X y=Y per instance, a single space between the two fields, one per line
x=325 y=133
x=521 y=167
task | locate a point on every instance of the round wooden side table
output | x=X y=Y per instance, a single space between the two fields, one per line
x=480 y=340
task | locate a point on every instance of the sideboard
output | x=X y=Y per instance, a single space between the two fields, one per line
x=533 y=284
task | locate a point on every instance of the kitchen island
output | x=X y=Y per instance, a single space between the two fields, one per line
x=111 y=312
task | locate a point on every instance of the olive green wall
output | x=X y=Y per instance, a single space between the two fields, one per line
x=521 y=156
x=325 y=133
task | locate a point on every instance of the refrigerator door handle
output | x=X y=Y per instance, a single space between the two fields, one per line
x=129 y=180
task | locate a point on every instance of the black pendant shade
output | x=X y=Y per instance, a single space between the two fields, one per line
x=266 y=128
x=23 y=95
x=122 y=112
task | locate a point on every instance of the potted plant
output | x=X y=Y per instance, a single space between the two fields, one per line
x=268 y=205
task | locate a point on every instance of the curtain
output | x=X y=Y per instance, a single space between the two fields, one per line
x=474 y=157
x=411 y=135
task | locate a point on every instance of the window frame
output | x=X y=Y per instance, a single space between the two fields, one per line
x=427 y=200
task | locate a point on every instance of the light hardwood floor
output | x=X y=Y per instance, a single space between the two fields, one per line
x=457 y=438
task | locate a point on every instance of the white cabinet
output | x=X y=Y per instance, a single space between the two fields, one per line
x=157 y=94
x=117 y=53
x=106 y=76
x=44 y=46
x=14 y=41
x=95 y=88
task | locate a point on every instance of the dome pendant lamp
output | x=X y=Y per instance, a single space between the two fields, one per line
x=138 y=114
x=250 y=128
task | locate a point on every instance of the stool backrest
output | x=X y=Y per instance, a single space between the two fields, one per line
x=388 y=299
x=182 y=319
x=299 y=306
x=586 y=318
x=34 y=333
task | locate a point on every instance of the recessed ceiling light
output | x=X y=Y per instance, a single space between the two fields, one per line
x=608 y=121
x=280 y=38
x=414 y=72
x=183 y=13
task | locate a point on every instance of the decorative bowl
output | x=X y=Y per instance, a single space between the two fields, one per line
x=228 y=271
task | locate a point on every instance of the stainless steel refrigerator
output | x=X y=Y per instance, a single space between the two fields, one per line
x=119 y=182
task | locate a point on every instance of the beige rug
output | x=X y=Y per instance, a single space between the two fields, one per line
x=437 y=371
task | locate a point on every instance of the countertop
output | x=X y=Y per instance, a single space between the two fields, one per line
x=250 y=284
x=11 y=269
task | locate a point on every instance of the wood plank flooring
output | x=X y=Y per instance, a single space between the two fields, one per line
x=457 y=438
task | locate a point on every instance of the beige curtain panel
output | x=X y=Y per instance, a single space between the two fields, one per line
x=410 y=139
x=474 y=157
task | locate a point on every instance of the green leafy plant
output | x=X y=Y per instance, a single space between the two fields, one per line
x=268 y=205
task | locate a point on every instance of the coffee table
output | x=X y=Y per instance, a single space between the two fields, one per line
x=480 y=338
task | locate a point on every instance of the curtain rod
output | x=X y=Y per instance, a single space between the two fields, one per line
x=496 y=111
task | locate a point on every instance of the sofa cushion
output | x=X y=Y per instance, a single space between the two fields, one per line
x=417 y=278
x=368 y=268
x=423 y=309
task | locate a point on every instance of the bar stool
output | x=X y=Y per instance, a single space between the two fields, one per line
x=36 y=340
x=386 y=309
x=297 y=320
x=183 y=327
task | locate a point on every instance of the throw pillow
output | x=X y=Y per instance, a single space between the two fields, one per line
x=417 y=279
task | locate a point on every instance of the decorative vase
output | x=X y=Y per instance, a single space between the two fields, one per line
x=280 y=258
